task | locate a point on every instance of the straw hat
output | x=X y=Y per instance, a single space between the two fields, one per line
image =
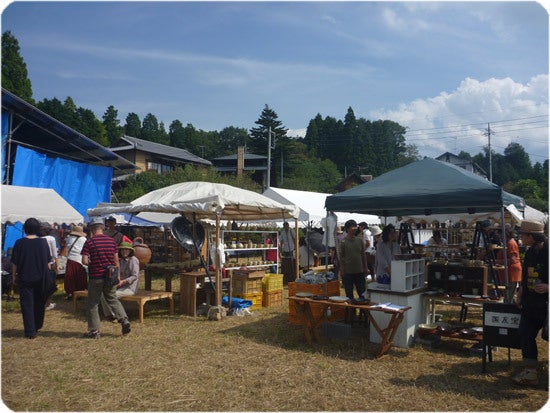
x=77 y=230
x=375 y=230
x=532 y=227
x=125 y=245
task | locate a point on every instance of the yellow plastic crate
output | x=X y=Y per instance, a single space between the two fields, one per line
x=272 y=282
x=256 y=299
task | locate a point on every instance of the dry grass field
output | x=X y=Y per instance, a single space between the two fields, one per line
x=253 y=363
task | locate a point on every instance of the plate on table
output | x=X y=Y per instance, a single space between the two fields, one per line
x=338 y=298
x=304 y=294
x=470 y=296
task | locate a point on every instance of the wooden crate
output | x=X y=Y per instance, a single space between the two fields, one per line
x=272 y=282
x=272 y=298
x=256 y=299
x=245 y=285
x=333 y=288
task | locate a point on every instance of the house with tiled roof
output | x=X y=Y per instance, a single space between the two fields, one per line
x=152 y=156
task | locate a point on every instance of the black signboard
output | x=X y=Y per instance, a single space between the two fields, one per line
x=500 y=328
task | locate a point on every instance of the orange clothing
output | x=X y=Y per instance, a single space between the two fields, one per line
x=514 y=262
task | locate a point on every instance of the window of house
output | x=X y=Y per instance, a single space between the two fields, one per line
x=159 y=167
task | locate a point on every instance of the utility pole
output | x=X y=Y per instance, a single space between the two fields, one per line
x=269 y=157
x=281 y=183
x=490 y=154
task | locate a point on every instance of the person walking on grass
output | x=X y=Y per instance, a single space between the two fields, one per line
x=30 y=269
x=532 y=298
x=99 y=252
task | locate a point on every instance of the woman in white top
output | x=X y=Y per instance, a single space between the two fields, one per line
x=76 y=277
x=45 y=230
x=386 y=248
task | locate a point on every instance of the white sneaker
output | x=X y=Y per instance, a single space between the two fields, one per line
x=51 y=306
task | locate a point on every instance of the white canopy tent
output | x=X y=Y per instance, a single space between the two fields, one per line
x=20 y=203
x=205 y=200
x=312 y=207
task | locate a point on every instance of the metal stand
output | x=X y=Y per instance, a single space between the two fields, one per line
x=406 y=237
x=490 y=258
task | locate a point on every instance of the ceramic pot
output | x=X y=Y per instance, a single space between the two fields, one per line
x=142 y=252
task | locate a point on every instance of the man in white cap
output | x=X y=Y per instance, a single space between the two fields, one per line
x=532 y=298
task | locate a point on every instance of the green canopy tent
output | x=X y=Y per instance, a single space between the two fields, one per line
x=426 y=187
x=423 y=188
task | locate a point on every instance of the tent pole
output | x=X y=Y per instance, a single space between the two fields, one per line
x=296 y=248
x=218 y=267
x=504 y=255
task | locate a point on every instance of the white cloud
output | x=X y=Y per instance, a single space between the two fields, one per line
x=457 y=121
x=296 y=133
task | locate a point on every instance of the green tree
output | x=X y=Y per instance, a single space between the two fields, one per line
x=258 y=135
x=150 y=128
x=14 y=69
x=112 y=125
x=80 y=119
x=231 y=138
x=90 y=126
x=133 y=125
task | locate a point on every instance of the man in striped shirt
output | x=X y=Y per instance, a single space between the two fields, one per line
x=98 y=252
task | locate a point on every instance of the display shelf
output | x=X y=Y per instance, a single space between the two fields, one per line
x=254 y=252
x=457 y=279
x=407 y=275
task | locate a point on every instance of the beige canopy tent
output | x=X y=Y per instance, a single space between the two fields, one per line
x=205 y=200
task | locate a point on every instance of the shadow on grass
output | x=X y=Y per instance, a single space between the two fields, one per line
x=278 y=331
x=465 y=378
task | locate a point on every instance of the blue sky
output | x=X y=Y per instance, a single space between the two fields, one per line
x=444 y=70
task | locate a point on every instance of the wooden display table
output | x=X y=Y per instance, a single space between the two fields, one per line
x=311 y=323
x=168 y=270
x=432 y=300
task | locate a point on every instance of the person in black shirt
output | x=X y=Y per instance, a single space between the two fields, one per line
x=532 y=298
x=31 y=265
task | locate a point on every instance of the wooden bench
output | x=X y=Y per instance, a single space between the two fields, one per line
x=141 y=298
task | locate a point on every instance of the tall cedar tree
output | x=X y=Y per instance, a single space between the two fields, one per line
x=14 y=69
x=112 y=125
x=258 y=135
x=132 y=127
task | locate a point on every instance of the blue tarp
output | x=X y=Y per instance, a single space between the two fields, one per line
x=82 y=185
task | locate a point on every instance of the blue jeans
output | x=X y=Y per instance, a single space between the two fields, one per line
x=357 y=280
x=96 y=287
